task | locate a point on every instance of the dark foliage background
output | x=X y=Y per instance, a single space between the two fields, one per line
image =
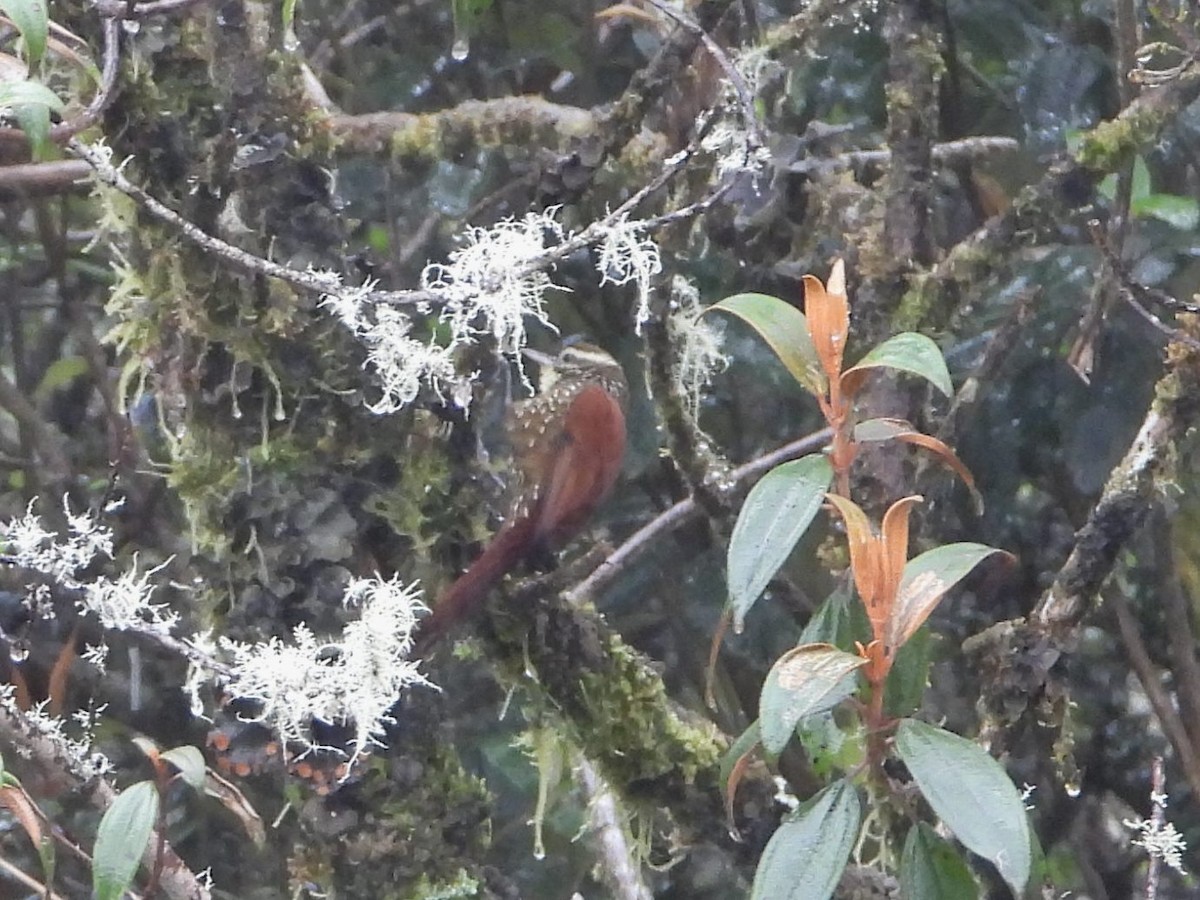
x=139 y=366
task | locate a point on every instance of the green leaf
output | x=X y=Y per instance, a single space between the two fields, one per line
x=832 y=623
x=972 y=794
x=932 y=870
x=34 y=119
x=1139 y=184
x=776 y=514
x=33 y=22
x=122 y=838
x=908 y=352
x=288 y=13
x=47 y=857
x=60 y=373
x=831 y=747
x=1178 y=212
x=465 y=14
x=190 y=763
x=906 y=682
x=16 y=93
x=806 y=855
x=805 y=680
x=785 y=330
x=925 y=580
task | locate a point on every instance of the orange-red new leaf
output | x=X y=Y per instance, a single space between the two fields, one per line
x=864 y=550
x=828 y=317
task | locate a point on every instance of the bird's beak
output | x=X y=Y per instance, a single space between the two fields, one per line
x=538 y=357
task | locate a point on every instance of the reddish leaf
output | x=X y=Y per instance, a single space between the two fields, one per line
x=864 y=549
x=894 y=539
x=734 y=764
x=57 y=690
x=899 y=430
x=828 y=319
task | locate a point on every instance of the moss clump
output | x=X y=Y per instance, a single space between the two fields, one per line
x=1107 y=146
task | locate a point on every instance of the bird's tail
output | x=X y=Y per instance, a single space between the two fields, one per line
x=468 y=592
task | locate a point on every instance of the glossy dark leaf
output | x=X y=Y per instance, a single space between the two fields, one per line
x=806 y=680
x=774 y=517
x=932 y=869
x=972 y=794
x=806 y=855
x=785 y=330
x=909 y=352
x=122 y=838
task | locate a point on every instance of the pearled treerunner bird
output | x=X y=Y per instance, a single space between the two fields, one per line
x=568 y=442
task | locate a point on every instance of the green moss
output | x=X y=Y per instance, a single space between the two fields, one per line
x=1110 y=144
x=630 y=727
x=421 y=141
x=427 y=824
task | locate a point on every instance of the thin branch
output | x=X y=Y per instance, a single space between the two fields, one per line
x=325 y=283
x=736 y=80
x=108 y=80
x=120 y=9
x=645 y=537
x=47 y=440
x=1181 y=635
x=40 y=179
x=1150 y=679
x=617 y=863
x=60 y=765
x=969 y=148
x=311 y=281
x=42 y=890
x=1017 y=657
x=1158 y=819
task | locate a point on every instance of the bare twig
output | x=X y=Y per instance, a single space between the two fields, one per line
x=736 y=80
x=46 y=439
x=1017 y=657
x=1181 y=636
x=324 y=283
x=618 y=869
x=642 y=539
x=1150 y=679
x=970 y=148
x=108 y=79
x=313 y=282
x=59 y=764
x=1158 y=819
x=33 y=884
x=121 y=9
x=40 y=179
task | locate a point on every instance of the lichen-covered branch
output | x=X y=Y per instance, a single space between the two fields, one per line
x=59 y=765
x=1018 y=657
x=474 y=124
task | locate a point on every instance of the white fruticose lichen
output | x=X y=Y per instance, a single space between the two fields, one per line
x=122 y=603
x=30 y=545
x=490 y=285
x=402 y=363
x=736 y=150
x=355 y=679
x=626 y=255
x=496 y=278
x=697 y=343
x=49 y=732
x=1158 y=837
